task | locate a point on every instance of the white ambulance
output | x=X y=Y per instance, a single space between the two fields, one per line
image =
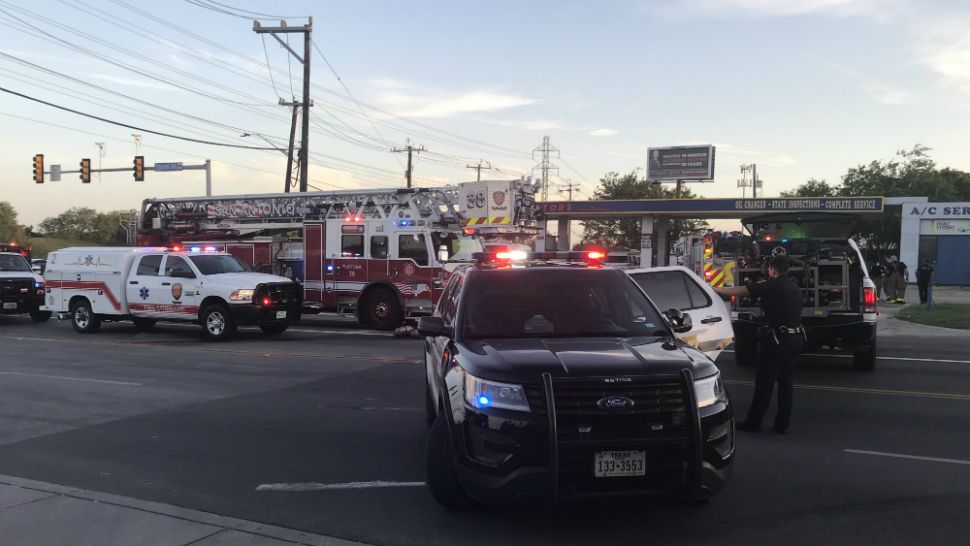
x=145 y=285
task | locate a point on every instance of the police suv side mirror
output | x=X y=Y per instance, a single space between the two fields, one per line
x=679 y=321
x=433 y=327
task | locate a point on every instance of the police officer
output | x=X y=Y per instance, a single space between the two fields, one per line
x=780 y=340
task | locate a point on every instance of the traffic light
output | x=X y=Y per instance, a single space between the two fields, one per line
x=86 y=171
x=39 y=168
x=139 y=168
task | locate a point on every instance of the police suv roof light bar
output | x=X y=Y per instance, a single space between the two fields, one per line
x=588 y=256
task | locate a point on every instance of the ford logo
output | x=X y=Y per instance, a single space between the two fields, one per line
x=615 y=403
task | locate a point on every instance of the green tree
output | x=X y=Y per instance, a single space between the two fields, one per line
x=625 y=233
x=86 y=224
x=812 y=188
x=10 y=230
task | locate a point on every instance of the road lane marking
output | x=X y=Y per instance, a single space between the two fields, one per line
x=68 y=378
x=904 y=456
x=314 y=486
x=169 y=346
x=347 y=332
x=903 y=358
x=856 y=390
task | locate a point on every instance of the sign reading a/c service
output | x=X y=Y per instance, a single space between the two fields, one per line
x=681 y=163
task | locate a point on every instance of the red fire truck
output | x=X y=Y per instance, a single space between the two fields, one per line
x=379 y=254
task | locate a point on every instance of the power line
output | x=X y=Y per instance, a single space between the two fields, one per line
x=251 y=13
x=118 y=123
x=271 y=79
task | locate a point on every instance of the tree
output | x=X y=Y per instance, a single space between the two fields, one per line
x=10 y=230
x=625 y=233
x=87 y=224
x=812 y=188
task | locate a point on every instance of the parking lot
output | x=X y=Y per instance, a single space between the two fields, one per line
x=322 y=430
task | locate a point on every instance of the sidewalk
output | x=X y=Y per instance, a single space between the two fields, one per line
x=37 y=513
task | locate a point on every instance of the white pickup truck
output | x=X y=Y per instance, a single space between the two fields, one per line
x=145 y=285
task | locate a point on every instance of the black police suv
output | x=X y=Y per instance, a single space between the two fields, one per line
x=549 y=380
x=21 y=290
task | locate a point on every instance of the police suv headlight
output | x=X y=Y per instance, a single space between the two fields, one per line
x=480 y=393
x=242 y=295
x=708 y=390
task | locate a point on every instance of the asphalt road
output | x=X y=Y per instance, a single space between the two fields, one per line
x=879 y=457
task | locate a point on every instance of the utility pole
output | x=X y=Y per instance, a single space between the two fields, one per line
x=101 y=147
x=306 y=103
x=478 y=168
x=409 y=149
x=569 y=188
x=545 y=166
x=289 y=155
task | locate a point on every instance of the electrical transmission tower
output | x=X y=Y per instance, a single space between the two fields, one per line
x=545 y=166
x=568 y=188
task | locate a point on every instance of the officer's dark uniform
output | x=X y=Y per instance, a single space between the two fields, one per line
x=780 y=341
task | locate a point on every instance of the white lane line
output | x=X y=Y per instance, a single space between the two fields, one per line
x=941 y=360
x=67 y=378
x=313 y=486
x=347 y=332
x=903 y=456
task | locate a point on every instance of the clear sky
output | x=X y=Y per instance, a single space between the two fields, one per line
x=803 y=88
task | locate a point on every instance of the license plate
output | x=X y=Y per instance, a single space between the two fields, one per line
x=281 y=314
x=9 y=305
x=617 y=464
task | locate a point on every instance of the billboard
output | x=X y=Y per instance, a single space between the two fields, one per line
x=681 y=163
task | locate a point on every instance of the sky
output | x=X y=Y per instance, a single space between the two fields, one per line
x=803 y=88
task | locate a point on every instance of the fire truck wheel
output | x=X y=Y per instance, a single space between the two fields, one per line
x=143 y=324
x=83 y=318
x=217 y=323
x=40 y=316
x=381 y=310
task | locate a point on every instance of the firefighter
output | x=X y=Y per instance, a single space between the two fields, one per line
x=780 y=340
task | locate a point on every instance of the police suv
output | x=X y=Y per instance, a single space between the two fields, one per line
x=550 y=377
x=21 y=290
x=145 y=285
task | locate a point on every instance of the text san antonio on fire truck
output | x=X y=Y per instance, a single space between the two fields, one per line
x=380 y=254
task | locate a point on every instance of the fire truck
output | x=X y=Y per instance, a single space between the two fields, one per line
x=378 y=254
x=713 y=256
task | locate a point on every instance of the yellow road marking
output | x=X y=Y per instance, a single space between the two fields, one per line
x=856 y=390
x=189 y=348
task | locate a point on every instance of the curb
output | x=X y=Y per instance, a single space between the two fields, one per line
x=223 y=523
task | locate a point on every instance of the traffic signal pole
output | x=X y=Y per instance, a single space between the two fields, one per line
x=168 y=167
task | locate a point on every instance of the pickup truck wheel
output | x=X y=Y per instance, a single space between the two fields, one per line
x=745 y=349
x=217 y=323
x=40 y=316
x=83 y=318
x=143 y=324
x=865 y=360
x=274 y=328
x=382 y=310
x=440 y=458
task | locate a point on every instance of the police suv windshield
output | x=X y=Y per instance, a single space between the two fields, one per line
x=214 y=264
x=542 y=302
x=13 y=262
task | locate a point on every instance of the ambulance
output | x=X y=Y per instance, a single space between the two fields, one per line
x=92 y=285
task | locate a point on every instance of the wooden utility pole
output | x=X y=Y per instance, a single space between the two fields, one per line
x=289 y=154
x=569 y=188
x=410 y=150
x=306 y=103
x=478 y=168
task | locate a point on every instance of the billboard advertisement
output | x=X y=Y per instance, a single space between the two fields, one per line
x=681 y=163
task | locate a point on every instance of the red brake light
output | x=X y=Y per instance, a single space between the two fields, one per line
x=767 y=237
x=267 y=301
x=595 y=255
x=869 y=300
x=470 y=231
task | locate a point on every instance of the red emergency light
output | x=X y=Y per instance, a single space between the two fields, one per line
x=469 y=231
x=595 y=255
x=708 y=274
x=176 y=248
x=352 y=218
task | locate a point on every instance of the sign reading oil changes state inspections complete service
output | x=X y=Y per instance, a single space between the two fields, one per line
x=681 y=163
